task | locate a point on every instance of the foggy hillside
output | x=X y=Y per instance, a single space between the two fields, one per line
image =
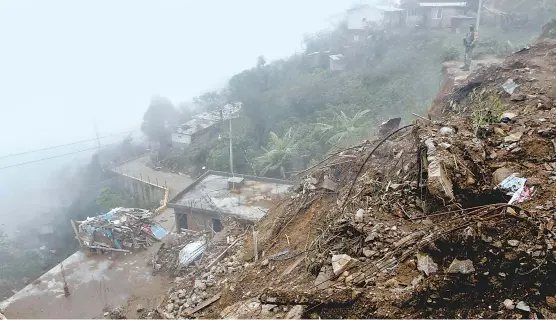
x=101 y=97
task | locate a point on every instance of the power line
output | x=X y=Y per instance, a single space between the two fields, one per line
x=63 y=145
x=58 y=156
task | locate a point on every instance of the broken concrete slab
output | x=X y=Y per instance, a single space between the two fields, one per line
x=341 y=262
x=296 y=312
x=389 y=126
x=447 y=131
x=518 y=97
x=514 y=137
x=426 y=264
x=438 y=182
x=461 y=266
x=360 y=215
x=323 y=281
x=329 y=184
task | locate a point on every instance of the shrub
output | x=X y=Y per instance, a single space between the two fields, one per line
x=450 y=53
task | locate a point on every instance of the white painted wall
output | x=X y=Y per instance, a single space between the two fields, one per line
x=447 y=14
x=355 y=17
x=180 y=139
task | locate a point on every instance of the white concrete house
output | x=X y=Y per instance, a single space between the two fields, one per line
x=433 y=14
x=364 y=16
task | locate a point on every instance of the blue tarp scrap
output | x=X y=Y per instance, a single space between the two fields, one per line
x=512 y=184
x=158 y=231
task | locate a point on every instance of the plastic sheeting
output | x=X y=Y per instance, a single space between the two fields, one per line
x=191 y=252
x=515 y=187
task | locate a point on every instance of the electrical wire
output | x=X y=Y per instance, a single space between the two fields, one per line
x=59 y=156
x=63 y=145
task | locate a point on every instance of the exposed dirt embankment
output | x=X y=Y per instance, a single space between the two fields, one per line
x=449 y=218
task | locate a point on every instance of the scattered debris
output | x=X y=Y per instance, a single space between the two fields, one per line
x=508 y=304
x=340 y=263
x=461 y=266
x=389 y=126
x=514 y=137
x=329 y=184
x=296 y=312
x=167 y=256
x=510 y=86
x=551 y=301
x=451 y=199
x=523 y=306
x=191 y=252
x=447 y=131
x=120 y=229
x=426 y=264
x=507 y=117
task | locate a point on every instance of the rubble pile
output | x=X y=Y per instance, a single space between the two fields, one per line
x=120 y=229
x=451 y=218
x=200 y=284
x=167 y=256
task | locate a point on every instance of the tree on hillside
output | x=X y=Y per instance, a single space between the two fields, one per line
x=277 y=155
x=345 y=130
x=211 y=100
x=158 y=116
x=261 y=61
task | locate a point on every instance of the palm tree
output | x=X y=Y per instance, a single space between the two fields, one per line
x=278 y=153
x=345 y=130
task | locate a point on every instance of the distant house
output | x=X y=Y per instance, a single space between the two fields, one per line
x=202 y=126
x=337 y=62
x=364 y=17
x=435 y=14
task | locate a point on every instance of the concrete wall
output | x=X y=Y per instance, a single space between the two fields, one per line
x=148 y=193
x=180 y=140
x=194 y=220
x=445 y=21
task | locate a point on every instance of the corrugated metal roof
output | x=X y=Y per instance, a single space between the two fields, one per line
x=204 y=120
x=442 y=4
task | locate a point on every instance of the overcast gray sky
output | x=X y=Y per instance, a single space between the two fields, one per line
x=65 y=63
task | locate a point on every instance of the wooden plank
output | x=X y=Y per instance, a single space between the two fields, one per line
x=76 y=233
x=293 y=266
x=109 y=249
x=255 y=245
x=205 y=304
x=221 y=255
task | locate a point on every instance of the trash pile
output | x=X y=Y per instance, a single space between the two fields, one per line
x=120 y=229
x=451 y=218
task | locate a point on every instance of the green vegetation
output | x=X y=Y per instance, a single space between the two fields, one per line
x=108 y=199
x=296 y=110
x=488 y=108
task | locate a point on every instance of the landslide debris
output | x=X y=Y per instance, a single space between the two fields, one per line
x=452 y=218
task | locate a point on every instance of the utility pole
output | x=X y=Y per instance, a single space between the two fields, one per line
x=231 y=150
x=478 y=19
x=96 y=134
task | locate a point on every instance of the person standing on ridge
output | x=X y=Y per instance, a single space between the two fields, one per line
x=469 y=43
